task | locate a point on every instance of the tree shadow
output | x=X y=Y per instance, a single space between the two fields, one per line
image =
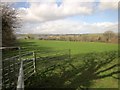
x=25 y=47
x=77 y=73
x=94 y=68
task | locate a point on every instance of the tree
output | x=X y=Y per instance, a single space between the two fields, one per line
x=108 y=35
x=9 y=23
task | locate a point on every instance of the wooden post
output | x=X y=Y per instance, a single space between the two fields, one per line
x=9 y=70
x=20 y=83
x=34 y=61
x=15 y=80
x=3 y=78
x=20 y=54
x=1 y=68
x=69 y=54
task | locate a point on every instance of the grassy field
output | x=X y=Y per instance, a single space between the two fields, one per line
x=88 y=65
x=76 y=47
x=80 y=52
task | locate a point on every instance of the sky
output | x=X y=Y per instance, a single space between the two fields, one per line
x=67 y=16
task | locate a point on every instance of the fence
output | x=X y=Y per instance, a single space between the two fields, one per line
x=10 y=70
x=27 y=69
x=17 y=69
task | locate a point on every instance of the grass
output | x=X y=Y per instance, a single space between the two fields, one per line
x=79 y=71
x=75 y=47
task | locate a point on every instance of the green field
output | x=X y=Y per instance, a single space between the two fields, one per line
x=76 y=71
x=75 y=47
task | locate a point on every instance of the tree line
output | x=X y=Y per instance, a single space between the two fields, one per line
x=10 y=22
x=107 y=36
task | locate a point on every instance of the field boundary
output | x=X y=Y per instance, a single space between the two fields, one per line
x=17 y=69
x=20 y=68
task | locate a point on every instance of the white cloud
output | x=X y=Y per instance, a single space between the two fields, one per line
x=41 y=1
x=46 y=10
x=12 y=0
x=109 y=0
x=48 y=18
x=50 y=11
x=65 y=26
x=105 y=4
x=72 y=1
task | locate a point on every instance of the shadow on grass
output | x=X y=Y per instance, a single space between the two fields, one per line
x=77 y=73
x=25 y=47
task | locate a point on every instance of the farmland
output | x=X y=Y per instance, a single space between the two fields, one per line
x=54 y=46
x=73 y=72
x=76 y=47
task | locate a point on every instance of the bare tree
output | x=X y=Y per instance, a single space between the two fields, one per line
x=108 y=35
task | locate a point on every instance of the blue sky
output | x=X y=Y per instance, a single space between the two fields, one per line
x=94 y=16
x=105 y=16
x=21 y=4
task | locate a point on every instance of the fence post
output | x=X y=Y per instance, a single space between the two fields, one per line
x=69 y=54
x=20 y=83
x=9 y=70
x=19 y=53
x=34 y=61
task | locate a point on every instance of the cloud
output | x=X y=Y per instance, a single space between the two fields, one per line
x=104 y=5
x=46 y=10
x=68 y=1
x=13 y=0
x=40 y=12
x=65 y=26
x=49 y=18
x=109 y=0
